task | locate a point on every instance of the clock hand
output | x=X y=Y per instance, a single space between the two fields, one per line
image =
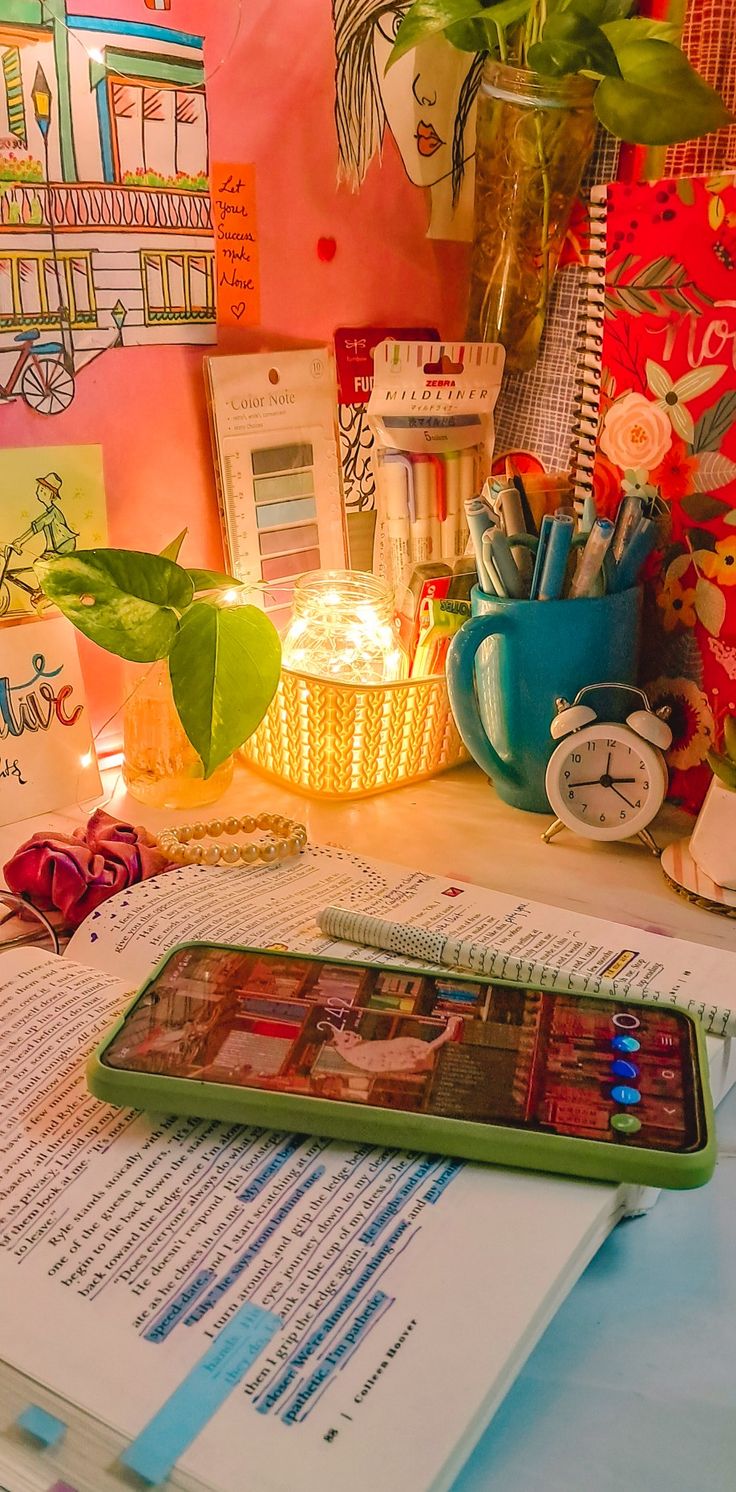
x=626 y=800
x=622 y=779
x=594 y=782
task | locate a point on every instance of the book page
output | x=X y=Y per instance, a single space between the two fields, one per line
x=230 y=1298
x=278 y=906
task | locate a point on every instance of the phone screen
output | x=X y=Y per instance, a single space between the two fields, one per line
x=439 y=1044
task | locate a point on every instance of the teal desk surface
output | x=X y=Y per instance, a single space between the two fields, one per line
x=633 y=1386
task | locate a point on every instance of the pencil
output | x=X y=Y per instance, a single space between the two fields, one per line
x=460 y=953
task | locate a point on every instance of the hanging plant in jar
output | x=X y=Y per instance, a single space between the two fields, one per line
x=555 y=70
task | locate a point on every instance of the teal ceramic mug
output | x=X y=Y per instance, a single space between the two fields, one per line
x=510 y=663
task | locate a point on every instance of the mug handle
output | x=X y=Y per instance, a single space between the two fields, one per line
x=460 y=670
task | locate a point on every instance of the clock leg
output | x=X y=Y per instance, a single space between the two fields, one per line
x=552 y=830
x=650 y=843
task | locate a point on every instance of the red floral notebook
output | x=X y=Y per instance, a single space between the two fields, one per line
x=658 y=417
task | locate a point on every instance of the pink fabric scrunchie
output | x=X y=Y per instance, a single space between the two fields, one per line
x=73 y=873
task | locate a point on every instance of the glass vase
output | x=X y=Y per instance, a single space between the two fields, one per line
x=534 y=138
x=160 y=766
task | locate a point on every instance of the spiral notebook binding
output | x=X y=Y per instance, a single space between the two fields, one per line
x=589 y=346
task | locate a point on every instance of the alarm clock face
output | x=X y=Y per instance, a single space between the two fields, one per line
x=605 y=782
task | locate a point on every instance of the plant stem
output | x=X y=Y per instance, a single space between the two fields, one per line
x=502 y=52
x=545 y=208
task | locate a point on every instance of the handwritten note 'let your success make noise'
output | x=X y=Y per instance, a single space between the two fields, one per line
x=237 y=274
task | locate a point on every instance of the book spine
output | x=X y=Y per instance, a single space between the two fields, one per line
x=589 y=344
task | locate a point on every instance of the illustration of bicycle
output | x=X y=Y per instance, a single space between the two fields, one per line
x=10 y=577
x=40 y=377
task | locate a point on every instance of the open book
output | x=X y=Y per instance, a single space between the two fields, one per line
x=216 y=1307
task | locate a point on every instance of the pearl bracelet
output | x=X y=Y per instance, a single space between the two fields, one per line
x=287 y=839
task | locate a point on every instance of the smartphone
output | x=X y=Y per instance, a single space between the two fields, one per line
x=423 y=1060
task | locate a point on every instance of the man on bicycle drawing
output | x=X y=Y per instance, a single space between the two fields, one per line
x=59 y=538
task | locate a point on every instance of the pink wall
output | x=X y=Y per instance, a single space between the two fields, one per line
x=270 y=102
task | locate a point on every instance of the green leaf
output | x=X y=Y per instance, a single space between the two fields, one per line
x=724 y=769
x=173 y=549
x=713 y=470
x=572 y=44
x=710 y=605
x=730 y=518
x=715 y=423
x=212 y=580
x=224 y=664
x=685 y=191
x=702 y=507
x=679 y=566
x=125 y=601
x=428 y=18
x=659 y=98
x=638 y=28
x=729 y=736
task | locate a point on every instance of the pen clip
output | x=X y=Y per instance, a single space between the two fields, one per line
x=398 y=459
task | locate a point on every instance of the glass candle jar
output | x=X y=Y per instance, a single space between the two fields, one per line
x=343 y=628
x=534 y=137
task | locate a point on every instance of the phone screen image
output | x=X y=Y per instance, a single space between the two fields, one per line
x=620 y=1073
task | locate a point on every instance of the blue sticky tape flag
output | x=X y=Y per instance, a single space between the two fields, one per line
x=191 y=1406
x=41 y=1425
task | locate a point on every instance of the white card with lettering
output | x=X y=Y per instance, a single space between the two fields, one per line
x=47 y=756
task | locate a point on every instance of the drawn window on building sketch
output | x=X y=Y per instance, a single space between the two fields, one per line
x=159 y=134
x=30 y=290
x=178 y=287
x=12 y=107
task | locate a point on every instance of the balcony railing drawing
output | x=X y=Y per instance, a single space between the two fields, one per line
x=104 y=207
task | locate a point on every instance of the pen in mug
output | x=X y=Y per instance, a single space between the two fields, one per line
x=512 y=517
x=513 y=477
x=552 y=577
x=640 y=545
x=589 y=515
x=463 y=955
x=479 y=519
x=544 y=530
x=629 y=516
x=397 y=486
x=591 y=560
x=497 y=555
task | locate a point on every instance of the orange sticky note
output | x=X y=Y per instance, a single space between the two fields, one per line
x=237 y=276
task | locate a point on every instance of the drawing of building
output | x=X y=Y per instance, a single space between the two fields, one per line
x=105 y=223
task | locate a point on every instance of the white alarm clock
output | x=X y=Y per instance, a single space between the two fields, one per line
x=607 y=780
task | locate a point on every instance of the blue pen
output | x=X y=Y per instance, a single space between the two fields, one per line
x=640 y=545
x=479 y=519
x=544 y=531
x=590 y=513
x=554 y=566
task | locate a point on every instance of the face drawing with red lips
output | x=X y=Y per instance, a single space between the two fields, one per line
x=420 y=96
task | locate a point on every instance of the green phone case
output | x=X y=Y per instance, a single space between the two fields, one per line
x=469 y=1140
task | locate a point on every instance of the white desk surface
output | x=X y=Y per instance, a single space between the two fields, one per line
x=633 y=1383
x=454 y=825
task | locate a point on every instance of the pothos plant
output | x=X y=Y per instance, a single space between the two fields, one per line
x=224 y=659
x=582 y=60
x=646 y=90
